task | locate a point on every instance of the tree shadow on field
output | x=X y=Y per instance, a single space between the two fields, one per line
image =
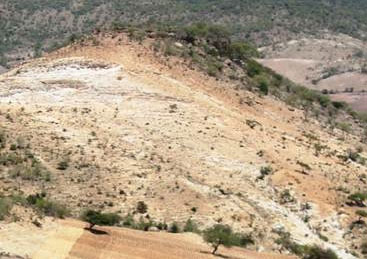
x=217 y=255
x=96 y=231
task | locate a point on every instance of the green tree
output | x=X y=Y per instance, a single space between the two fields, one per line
x=223 y=235
x=99 y=218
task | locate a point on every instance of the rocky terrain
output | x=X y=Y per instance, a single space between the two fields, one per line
x=115 y=123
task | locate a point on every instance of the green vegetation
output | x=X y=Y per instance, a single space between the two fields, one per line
x=265 y=171
x=358 y=198
x=46 y=206
x=40 y=25
x=19 y=161
x=361 y=214
x=174 y=228
x=144 y=225
x=191 y=226
x=63 y=165
x=5 y=207
x=304 y=251
x=99 y=218
x=364 y=247
x=212 y=49
x=142 y=207
x=223 y=235
x=38 y=202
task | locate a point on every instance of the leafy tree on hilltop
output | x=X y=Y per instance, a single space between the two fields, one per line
x=99 y=218
x=223 y=235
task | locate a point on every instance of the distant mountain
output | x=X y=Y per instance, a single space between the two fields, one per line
x=27 y=27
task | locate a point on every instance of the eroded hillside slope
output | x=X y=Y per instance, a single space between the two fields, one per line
x=129 y=125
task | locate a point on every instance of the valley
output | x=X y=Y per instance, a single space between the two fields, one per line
x=334 y=64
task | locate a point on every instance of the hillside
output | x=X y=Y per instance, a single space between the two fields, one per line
x=28 y=28
x=109 y=122
x=335 y=64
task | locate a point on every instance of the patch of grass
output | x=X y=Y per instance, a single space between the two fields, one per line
x=47 y=207
x=5 y=206
x=191 y=226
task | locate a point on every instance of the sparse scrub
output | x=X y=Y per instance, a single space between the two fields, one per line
x=5 y=207
x=46 y=206
x=304 y=251
x=191 y=226
x=286 y=197
x=142 y=207
x=358 y=199
x=63 y=165
x=265 y=171
x=361 y=214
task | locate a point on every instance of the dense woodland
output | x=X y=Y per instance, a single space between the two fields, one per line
x=28 y=27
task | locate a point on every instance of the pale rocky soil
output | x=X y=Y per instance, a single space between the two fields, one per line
x=137 y=127
x=307 y=59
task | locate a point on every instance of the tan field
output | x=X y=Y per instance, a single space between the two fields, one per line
x=68 y=239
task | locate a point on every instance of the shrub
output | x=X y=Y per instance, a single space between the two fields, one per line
x=242 y=240
x=63 y=165
x=128 y=221
x=142 y=207
x=264 y=86
x=47 y=207
x=361 y=214
x=99 y=218
x=32 y=173
x=304 y=251
x=5 y=207
x=51 y=208
x=339 y=105
x=191 y=226
x=364 y=247
x=2 y=139
x=253 y=68
x=344 y=126
x=13 y=147
x=265 y=171
x=286 y=197
x=316 y=252
x=358 y=198
x=241 y=51
x=174 y=228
